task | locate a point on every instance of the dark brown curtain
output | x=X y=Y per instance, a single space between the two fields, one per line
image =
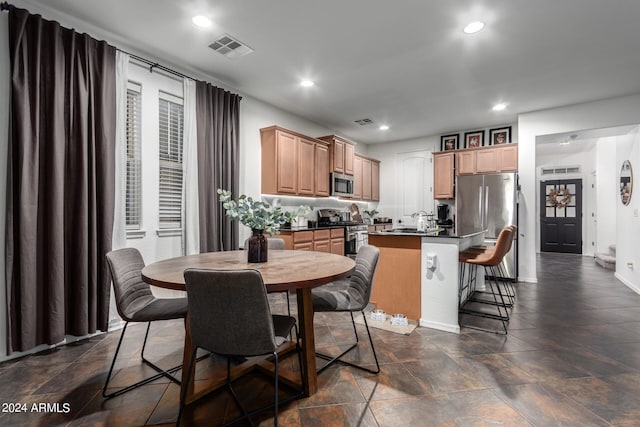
x=60 y=195
x=218 y=118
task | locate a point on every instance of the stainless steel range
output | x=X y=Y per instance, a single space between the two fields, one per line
x=353 y=230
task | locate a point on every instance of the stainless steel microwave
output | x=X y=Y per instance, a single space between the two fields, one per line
x=341 y=185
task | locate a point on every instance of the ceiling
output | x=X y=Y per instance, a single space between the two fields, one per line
x=404 y=64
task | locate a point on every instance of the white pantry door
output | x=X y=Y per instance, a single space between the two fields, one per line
x=414 y=184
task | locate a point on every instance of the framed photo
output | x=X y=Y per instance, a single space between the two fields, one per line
x=474 y=139
x=500 y=136
x=449 y=142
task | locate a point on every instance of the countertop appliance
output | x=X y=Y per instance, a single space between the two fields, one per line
x=443 y=216
x=489 y=202
x=352 y=229
x=341 y=185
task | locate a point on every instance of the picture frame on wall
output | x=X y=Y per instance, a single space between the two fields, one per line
x=449 y=142
x=499 y=136
x=474 y=139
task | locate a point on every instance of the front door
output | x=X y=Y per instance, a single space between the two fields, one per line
x=561 y=216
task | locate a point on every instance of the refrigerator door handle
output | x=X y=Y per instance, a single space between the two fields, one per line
x=485 y=220
x=480 y=206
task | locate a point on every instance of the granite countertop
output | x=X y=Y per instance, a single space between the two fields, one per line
x=306 y=228
x=412 y=232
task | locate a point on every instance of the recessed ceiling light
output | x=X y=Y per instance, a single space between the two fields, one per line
x=473 y=27
x=306 y=83
x=384 y=127
x=499 y=107
x=201 y=21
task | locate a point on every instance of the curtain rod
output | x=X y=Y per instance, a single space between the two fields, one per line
x=5 y=6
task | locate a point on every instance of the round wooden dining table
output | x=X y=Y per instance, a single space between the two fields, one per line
x=285 y=270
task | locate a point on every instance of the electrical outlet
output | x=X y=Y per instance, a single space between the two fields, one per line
x=630 y=265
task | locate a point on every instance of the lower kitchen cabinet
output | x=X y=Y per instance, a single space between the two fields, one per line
x=330 y=240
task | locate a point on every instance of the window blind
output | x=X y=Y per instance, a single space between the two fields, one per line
x=133 y=197
x=171 y=126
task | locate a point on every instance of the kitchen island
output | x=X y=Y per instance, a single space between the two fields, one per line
x=417 y=274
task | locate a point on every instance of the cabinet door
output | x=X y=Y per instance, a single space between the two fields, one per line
x=322 y=170
x=357 y=177
x=306 y=246
x=306 y=171
x=487 y=161
x=466 y=162
x=338 y=156
x=366 y=179
x=349 y=152
x=509 y=158
x=287 y=162
x=375 y=181
x=337 y=246
x=443 y=164
x=322 y=246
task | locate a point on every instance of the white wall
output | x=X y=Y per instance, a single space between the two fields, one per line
x=606 y=193
x=628 y=217
x=593 y=115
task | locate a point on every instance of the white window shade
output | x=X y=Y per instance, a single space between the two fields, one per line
x=133 y=198
x=171 y=126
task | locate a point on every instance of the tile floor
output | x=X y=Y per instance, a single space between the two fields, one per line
x=572 y=358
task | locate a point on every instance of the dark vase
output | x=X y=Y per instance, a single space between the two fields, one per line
x=257 y=251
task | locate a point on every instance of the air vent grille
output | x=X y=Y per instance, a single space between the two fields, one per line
x=559 y=170
x=230 y=47
x=364 y=122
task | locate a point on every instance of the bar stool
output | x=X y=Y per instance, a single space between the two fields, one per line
x=489 y=259
x=475 y=251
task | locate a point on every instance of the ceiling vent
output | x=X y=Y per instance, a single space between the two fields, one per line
x=230 y=47
x=364 y=122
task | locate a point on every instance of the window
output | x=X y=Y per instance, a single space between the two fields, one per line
x=133 y=197
x=170 y=138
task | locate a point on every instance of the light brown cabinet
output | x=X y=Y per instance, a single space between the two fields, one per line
x=322 y=170
x=380 y=227
x=293 y=164
x=325 y=240
x=375 y=180
x=495 y=159
x=342 y=154
x=357 y=177
x=443 y=175
x=366 y=178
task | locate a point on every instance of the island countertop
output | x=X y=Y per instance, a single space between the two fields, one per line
x=412 y=232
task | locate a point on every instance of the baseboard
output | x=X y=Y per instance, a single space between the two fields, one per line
x=528 y=279
x=628 y=284
x=440 y=326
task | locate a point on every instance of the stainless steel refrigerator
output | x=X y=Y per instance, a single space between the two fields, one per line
x=489 y=202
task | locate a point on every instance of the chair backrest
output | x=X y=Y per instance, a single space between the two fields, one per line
x=361 y=280
x=503 y=244
x=131 y=292
x=272 y=243
x=229 y=312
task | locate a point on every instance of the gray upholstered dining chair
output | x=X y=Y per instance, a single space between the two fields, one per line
x=136 y=303
x=350 y=295
x=275 y=243
x=229 y=315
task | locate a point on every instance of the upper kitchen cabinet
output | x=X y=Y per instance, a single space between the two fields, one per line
x=293 y=164
x=443 y=175
x=375 y=180
x=322 y=170
x=498 y=158
x=366 y=178
x=342 y=154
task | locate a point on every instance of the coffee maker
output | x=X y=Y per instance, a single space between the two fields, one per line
x=443 y=216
